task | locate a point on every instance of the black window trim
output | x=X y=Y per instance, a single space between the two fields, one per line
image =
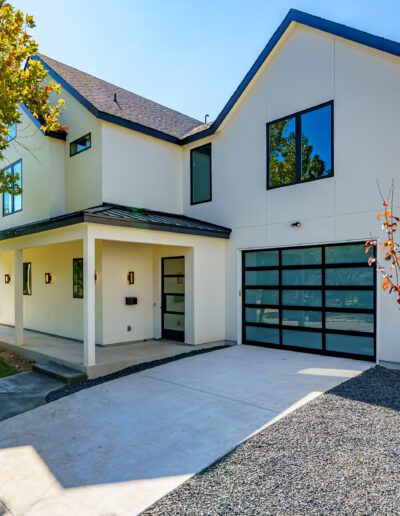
x=297 y=118
x=75 y=296
x=77 y=140
x=192 y=202
x=29 y=279
x=322 y=288
x=12 y=165
x=16 y=133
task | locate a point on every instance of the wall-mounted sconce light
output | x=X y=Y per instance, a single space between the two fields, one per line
x=7 y=278
x=131 y=278
x=48 y=278
x=296 y=225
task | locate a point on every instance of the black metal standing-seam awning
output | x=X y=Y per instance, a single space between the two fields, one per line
x=115 y=215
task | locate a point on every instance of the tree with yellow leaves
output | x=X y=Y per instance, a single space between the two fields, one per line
x=21 y=83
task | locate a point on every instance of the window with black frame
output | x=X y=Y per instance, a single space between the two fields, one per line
x=77 y=277
x=80 y=145
x=27 y=279
x=12 y=202
x=300 y=147
x=200 y=174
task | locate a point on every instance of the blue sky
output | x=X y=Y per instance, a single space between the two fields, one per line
x=189 y=55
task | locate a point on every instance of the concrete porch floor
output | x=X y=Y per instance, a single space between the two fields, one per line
x=49 y=348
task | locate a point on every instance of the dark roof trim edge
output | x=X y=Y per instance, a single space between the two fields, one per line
x=106 y=116
x=336 y=29
x=84 y=216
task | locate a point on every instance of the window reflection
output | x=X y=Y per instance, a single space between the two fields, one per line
x=316 y=133
x=282 y=152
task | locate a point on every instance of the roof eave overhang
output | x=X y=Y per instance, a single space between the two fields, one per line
x=82 y=217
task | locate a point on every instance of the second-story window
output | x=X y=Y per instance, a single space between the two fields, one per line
x=12 y=132
x=200 y=174
x=300 y=147
x=80 y=145
x=13 y=203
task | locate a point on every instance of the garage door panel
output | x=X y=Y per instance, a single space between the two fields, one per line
x=316 y=298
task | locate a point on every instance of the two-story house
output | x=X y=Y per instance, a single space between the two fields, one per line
x=143 y=223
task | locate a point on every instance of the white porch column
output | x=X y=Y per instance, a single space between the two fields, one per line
x=89 y=309
x=18 y=298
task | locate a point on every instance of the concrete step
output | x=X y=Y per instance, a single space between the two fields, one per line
x=60 y=372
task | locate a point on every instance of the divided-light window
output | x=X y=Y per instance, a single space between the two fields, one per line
x=80 y=145
x=300 y=147
x=77 y=278
x=13 y=203
x=200 y=174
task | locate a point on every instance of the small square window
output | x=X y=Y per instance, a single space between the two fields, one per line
x=80 y=145
x=77 y=277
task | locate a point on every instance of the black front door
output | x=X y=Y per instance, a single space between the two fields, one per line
x=173 y=298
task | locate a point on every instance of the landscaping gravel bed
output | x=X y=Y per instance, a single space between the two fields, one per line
x=339 y=454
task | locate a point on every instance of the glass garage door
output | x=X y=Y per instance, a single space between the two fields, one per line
x=319 y=299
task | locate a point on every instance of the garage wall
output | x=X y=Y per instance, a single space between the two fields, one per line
x=308 y=68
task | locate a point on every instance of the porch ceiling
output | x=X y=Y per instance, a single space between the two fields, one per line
x=115 y=215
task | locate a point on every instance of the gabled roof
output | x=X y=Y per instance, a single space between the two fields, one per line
x=115 y=104
x=151 y=118
x=336 y=29
x=115 y=215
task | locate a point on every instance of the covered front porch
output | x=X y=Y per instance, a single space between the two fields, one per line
x=42 y=347
x=125 y=303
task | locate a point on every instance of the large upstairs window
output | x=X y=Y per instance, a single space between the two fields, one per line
x=13 y=174
x=200 y=174
x=300 y=147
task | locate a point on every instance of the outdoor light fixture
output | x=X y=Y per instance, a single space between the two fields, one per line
x=131 y=278
x=47 y=278
x=7 y=278
x=296 y=224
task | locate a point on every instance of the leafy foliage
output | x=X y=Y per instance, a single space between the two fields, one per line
x=390 y=269
x=22 y=85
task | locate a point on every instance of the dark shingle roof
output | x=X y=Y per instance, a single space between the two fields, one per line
x=121 y=103
x=115 y=215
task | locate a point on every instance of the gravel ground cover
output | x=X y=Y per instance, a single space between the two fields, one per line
x=71 y=389
x=339 y=454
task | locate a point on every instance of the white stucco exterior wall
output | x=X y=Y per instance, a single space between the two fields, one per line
x=141 y=171
x=308 y=68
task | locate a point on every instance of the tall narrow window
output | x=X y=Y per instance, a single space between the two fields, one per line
x=80 y=145
x=200 y=171
x=12 y=203
x=27 y=279
x=77 y=275
x=300 y=147
x=12 y=132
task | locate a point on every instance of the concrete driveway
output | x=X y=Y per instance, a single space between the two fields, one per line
x=116 y=448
